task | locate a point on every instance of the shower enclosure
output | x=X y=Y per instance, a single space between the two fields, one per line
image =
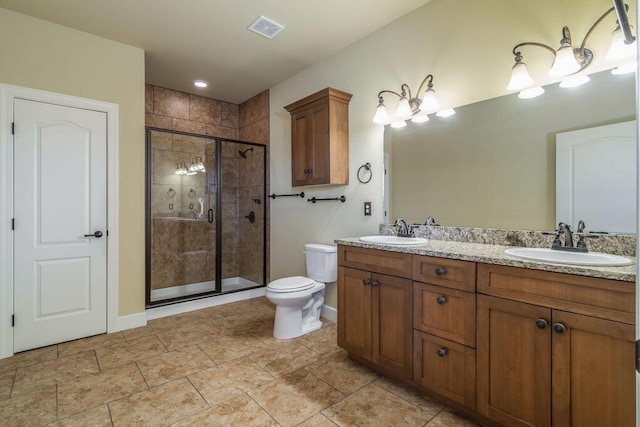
x=206 y=216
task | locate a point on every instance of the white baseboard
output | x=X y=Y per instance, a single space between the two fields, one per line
x=329 y=313
x=183 y=307
x=131 y=321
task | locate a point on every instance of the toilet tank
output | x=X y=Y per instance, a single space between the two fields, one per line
x=322 y=262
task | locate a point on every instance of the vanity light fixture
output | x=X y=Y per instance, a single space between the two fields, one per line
x=569 y=60
x=410 y=107
x=200 y=83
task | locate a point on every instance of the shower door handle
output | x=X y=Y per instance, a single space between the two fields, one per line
x=97 y=235
x=210 y=216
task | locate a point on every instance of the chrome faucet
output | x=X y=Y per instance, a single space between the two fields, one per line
x=568 y=235
x=431 y=221
x=403 y=231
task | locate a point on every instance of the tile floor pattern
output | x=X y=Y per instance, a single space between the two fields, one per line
x=218 y=366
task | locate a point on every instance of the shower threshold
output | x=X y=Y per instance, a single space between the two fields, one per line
x=228 y=285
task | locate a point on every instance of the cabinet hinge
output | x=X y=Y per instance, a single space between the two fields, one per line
x=638 y=356
x=13 y=320
x=13 y=128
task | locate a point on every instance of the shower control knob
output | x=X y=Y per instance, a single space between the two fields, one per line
x=97 y=235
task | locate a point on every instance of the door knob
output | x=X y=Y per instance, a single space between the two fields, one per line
x=97 y=234
x=541 y=323
x=559 y=328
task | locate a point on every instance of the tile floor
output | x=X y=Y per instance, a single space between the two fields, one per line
x=219 y=366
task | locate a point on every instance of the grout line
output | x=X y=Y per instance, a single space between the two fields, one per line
x=57 y=406
x=110 y=416
x=142 y=375
x=261 y=407
x=196 y=389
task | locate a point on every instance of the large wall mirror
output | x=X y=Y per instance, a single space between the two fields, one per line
x=493 y=164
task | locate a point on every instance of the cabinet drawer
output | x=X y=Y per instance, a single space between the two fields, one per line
x=607 y=299
x=385 y=262
x=445 y=272
x=447 y=313
x=445 y=367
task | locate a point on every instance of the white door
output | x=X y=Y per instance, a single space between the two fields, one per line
x=60 y=195
x=596 y=177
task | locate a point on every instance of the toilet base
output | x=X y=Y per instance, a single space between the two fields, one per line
x=294 y=321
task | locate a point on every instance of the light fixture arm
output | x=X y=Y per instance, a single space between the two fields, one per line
x=518 y=54
x=429 y=85
x=595 y=24
x=381 y=99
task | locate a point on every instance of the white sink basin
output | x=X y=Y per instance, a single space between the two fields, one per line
x=564 y=257
x=394 y=240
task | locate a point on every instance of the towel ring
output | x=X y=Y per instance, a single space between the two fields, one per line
x=364 y=170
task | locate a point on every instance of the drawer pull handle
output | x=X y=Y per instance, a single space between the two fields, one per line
x=440 y=271
x=374 y=283
x=366 y=282
x=441 y=300
x=559 y=328
x=541 y=323
x=442 y=352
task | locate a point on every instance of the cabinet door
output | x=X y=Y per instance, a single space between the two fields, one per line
x=354 y=311
x=319 y=137
x=392 y=331
x=445 y=367
x=301 y=149
x=593 y=371
x=514 y=362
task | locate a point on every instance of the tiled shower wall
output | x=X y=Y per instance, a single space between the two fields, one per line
x=242 y=181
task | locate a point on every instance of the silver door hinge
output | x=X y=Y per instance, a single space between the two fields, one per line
x=13 y=223
x=13 y=320
x=13 y=128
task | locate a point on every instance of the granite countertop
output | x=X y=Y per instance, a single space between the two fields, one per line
x=494 y=254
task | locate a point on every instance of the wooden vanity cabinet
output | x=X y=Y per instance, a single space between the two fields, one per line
x=374 y=309
x=539 y=364
x=320 y=138
x=444 y=322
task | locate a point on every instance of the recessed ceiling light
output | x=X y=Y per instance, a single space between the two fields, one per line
x=200 y=83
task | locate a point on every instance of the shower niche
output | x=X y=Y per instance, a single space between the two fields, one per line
x=205 y=216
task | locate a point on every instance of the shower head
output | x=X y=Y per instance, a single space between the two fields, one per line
x=243 y=154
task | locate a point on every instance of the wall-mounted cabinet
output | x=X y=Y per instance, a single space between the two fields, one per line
x=320 y=138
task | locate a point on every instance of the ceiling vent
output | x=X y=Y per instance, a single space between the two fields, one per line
x=266 y=27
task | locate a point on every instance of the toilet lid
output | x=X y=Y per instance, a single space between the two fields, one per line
x=291 y=284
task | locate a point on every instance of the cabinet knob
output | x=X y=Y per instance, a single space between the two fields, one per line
x=366 y=282
x=559 y=328
x=541 y=323
x=374 y=283
x=442 y=352
x=441 y=300
x=440 y=271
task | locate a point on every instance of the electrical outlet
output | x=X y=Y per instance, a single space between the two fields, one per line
x=170 y=206
x=367 y=208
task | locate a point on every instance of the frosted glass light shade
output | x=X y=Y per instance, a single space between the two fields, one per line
x=398 y=124
x=618 y=49
x=381 y=117
x=520 y=77
x=420 y=118
x=429 y=101
x=574 y=81
x=446 y=113
x=531 y=92
x=404 y=109
x=565 y=62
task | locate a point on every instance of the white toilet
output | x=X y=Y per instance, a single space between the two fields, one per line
x=299 y=299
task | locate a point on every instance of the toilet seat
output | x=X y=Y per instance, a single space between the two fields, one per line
x=291 y=284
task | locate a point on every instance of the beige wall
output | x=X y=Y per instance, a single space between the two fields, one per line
x=45 y=56
x=466 y=45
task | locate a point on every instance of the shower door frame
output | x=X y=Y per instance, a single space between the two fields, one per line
x=218 y=215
